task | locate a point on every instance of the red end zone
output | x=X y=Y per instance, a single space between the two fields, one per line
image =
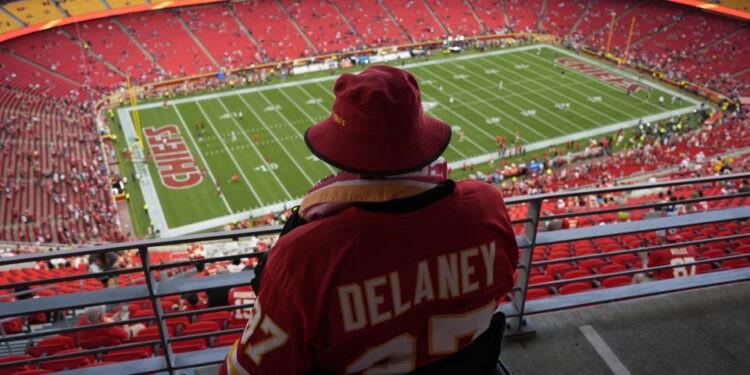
x=176 y=165
x=601 y=74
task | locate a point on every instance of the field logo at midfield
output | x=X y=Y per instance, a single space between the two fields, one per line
x=601 y=74
x=176 y=165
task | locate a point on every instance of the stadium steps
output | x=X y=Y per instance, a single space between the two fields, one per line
x=435 y=16
x=740 y=72
x=617 y=18
x=700 y=331
x=395 y=20
x=92 y=53
x=476 y=16
x=541 y=15
x=178 y=17
x=140 y=46
x=580 y=18
x=59 y=8
x=296 y=26
x=246 y=31
x=505 y=15
x=13 y=17
x=346 y=20
x=71 y=80
x=662 y=29
x=717 y=41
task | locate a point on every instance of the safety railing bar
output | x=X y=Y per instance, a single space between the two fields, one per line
x=632 y=271
x=148 y=365
x=181 y=286
x=594 y=296
x=643 y=206
x=73 y=300
x=30 y=291
x=208 y=310
x=156 y=304
x=240 y=233
x=63 y=279
x=77 y=354
x=639 y=226
x=638 y=250
x=194 y=262
x=62 y=331
x=520 y=221
x=205 y=335
x=615 y=189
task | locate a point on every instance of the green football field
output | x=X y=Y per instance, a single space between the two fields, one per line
x=543 y=100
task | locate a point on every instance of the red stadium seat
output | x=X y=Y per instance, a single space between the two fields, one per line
x=227 y=340
x=540 y=279
x=14 y=369
x=127 y=354
x=220 y=317
x=71 y=363
x=537 y=293
x=612 y=268
x=591 y=264
x=176 y=324
x=34 y=372
x=200 y=327
x=575 y=287
x=189 y=345
x=576 y=274
x=150 y=333
x=736 y=263
x=51 y=346
x=616 y=281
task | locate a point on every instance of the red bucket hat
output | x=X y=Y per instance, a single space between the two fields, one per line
x=377 y=126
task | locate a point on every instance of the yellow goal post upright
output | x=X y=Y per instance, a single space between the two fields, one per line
x=134 y=112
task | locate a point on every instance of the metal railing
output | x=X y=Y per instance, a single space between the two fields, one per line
x=517 y=311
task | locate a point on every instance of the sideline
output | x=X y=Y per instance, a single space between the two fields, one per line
x=155 y=209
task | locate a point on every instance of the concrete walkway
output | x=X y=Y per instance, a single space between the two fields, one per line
x=703 y=331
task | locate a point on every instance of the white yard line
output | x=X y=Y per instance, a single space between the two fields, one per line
x=615 y=97
x=312 y=120
x=200 y=154
x=626 y=74
x=487 y=104
x=229 y=152
x=571 y=87
x=322 y=79
x=524 y=97
x=286 y=120
x=604 y=351
x=150 y=197
x=591 y=133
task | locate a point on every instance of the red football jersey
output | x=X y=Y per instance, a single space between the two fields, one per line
x=363 y=290
x=673 y=256
x=239 y=296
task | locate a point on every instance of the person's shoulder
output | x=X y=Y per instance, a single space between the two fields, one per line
x=480 y=189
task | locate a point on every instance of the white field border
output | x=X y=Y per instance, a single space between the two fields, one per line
x=156 y=212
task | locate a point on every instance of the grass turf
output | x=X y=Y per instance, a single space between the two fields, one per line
x=534 y=86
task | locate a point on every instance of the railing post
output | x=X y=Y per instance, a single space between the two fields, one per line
x=519 y=326
x=156 y=304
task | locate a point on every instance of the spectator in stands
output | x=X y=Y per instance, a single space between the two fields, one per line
x=219 y=296
x=102 y=262
x=665 y=257
x=236 y=265
x=379 y=257
x=189 y=302
x=118 y=334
